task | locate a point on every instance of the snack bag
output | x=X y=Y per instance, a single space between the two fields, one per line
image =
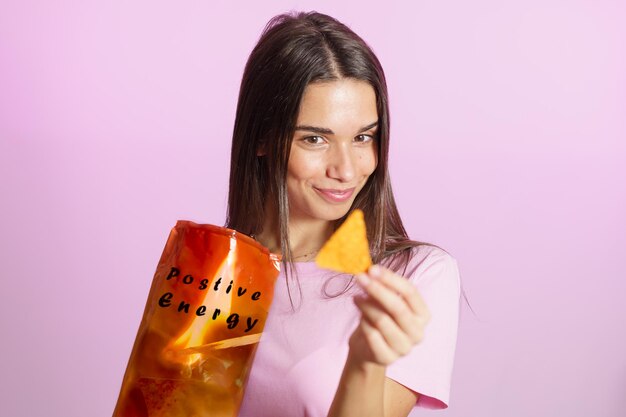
x=204 y=315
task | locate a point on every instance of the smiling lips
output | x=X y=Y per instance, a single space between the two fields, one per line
x=335 y=196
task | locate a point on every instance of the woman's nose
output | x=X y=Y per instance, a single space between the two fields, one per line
x=341 y=163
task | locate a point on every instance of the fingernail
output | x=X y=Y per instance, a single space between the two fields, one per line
x=374 y=270
x=362 y=279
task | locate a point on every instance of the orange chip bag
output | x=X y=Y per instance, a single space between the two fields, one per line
x=347 y=250
x=206 y=309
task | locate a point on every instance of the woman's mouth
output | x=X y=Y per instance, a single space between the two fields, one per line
x=334 y=195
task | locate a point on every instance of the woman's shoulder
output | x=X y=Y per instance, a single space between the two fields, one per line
x=424 y=262
x=430 y=253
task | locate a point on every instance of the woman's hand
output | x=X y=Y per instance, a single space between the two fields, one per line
x=393 y=317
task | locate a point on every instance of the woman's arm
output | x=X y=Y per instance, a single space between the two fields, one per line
x=392 y=322
x=367 y=392
x=360 y=391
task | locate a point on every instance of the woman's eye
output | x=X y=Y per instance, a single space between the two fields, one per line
x=314 y=140
x=364 y=138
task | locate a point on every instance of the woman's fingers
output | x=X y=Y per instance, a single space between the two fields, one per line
x=378 y=347
x=403 y=305
x=393 y=315
x=401 y=285
x=394 y=337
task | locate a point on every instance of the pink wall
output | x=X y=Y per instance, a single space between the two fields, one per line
x=509 y=150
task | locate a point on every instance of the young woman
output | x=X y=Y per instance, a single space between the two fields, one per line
x=310 y=144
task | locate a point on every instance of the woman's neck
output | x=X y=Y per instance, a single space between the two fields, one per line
x=306 y=237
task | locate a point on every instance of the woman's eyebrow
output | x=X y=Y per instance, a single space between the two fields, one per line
x=326 y=131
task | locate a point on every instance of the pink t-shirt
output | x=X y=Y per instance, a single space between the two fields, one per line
x=301 y=354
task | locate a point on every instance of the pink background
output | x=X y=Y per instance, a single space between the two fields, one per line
x=508 y=149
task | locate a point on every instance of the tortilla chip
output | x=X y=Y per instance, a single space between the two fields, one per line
x=347 y=250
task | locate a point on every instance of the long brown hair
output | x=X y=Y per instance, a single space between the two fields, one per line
x=294 y=50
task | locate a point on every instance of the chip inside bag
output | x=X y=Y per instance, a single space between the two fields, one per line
x=205 y=313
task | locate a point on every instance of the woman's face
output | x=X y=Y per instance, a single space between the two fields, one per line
x=334 y=150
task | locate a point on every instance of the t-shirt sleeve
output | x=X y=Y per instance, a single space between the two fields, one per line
x=427 y=369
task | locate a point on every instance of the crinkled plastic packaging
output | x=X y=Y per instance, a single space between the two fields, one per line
x=205 y=313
